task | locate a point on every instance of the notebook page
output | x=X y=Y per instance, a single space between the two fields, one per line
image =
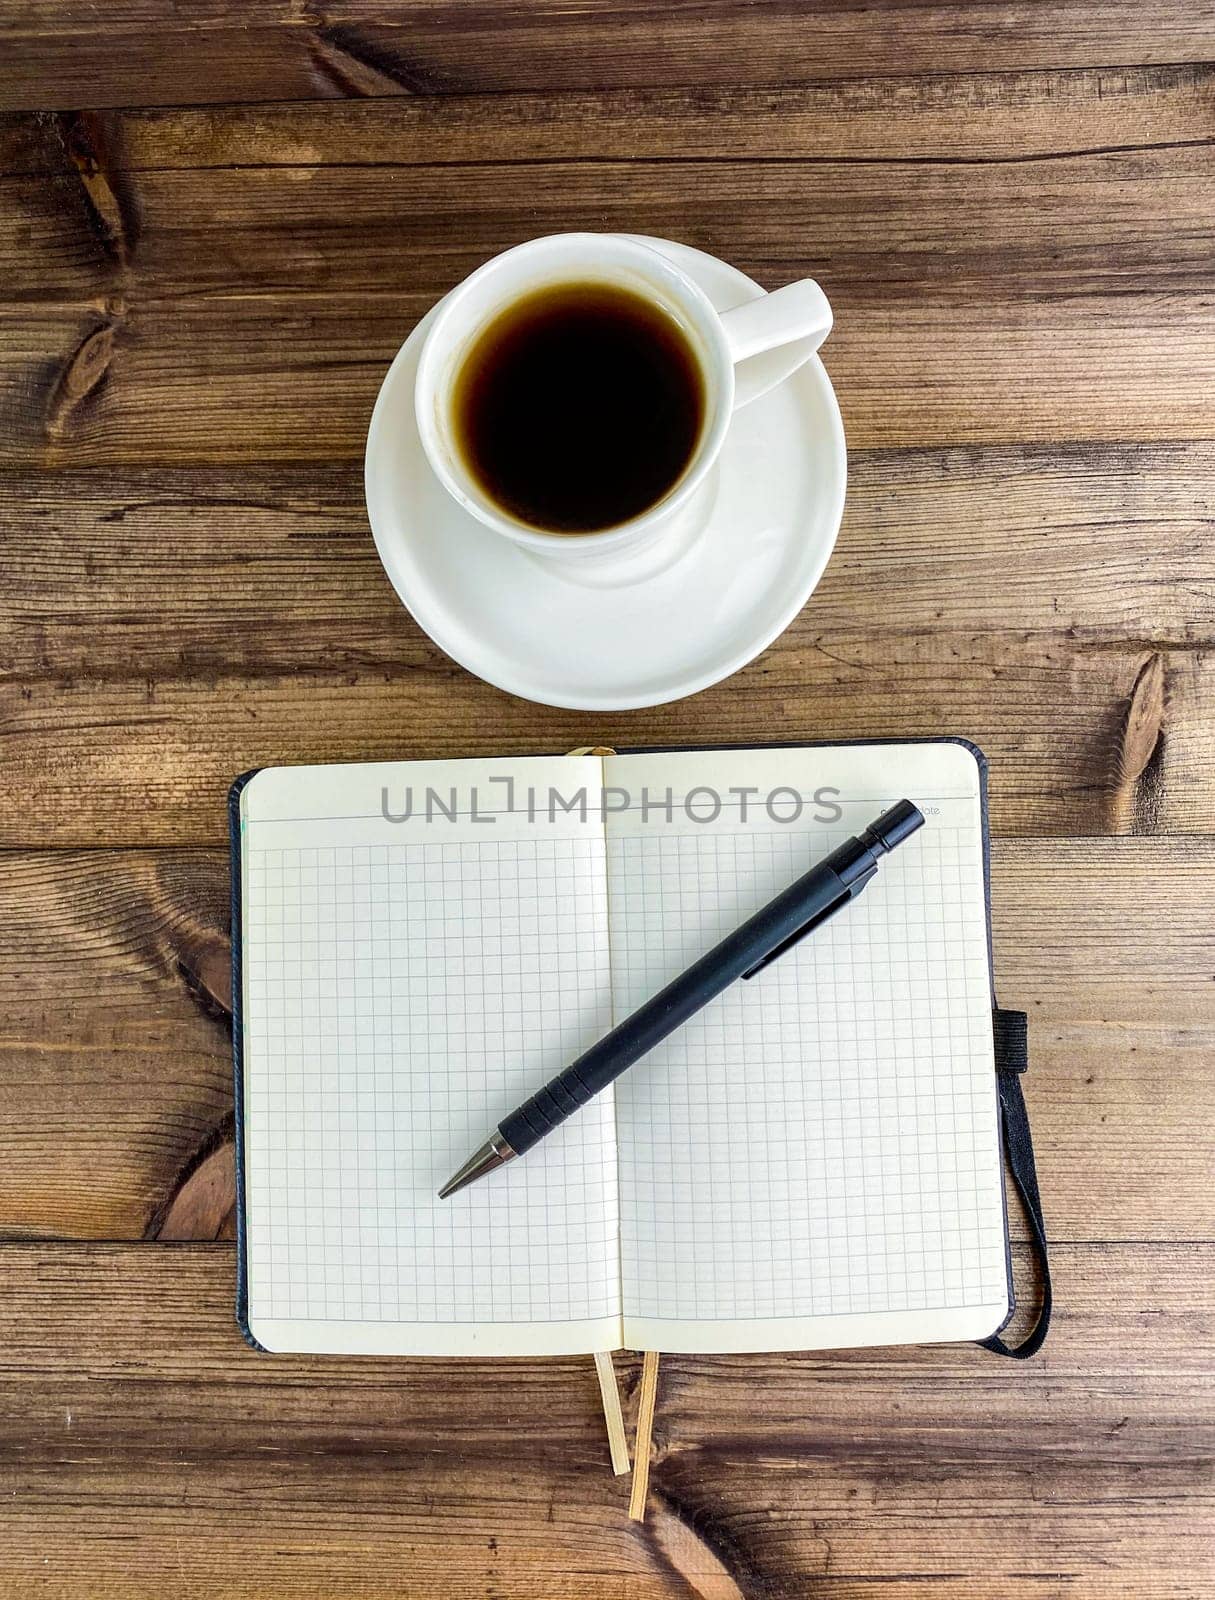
x=814 y=1160
x=407 y=983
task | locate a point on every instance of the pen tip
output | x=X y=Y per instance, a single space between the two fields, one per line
x=495 y=1152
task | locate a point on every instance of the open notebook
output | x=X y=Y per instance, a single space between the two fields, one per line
x=812 y=1161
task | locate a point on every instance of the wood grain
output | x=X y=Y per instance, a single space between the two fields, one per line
x=119 y=1076
x=1012 y=117
x=191 y=608
x=153 y=52
x=171 y=1459
x=266 y=569
x=114 y=1034
x=879 y=235
x=261 y=377
x=156 y=314
x=148 y=760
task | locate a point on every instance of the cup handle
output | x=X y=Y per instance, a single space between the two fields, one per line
x=797 y=314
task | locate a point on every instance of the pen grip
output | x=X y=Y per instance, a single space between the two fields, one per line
x=546 y=1109
x=595 y=1068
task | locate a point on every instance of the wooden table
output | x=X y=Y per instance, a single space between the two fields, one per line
x=217 y=223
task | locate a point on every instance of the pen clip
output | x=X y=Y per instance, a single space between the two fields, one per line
x=815 y=922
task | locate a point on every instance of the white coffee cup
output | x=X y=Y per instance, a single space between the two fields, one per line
x=797 y=315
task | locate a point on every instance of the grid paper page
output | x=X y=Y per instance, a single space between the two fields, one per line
x=402 y=994
x=813 y=1159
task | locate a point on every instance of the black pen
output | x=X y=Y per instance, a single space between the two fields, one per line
x=797 y=911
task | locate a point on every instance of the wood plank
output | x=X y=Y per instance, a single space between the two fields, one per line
x=114 y=1035
x=149 y=760
x=1082 y=740
x=115 y=971
x=152 y=52
x=1007 y=116
x=252 y=378
x=171 y=1458
x=1120 y=1038
x=1069 y=226
x=136 y=66
x=225 y=593
x=219 y=312
x=965 y=120
x=268 y=569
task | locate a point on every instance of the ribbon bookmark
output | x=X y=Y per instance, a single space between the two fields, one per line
x=609 y=1392
x=645 y=1434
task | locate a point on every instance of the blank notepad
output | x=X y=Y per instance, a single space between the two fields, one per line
x=813 y=1160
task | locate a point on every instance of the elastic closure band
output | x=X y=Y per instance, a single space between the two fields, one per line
x=1012 y=1058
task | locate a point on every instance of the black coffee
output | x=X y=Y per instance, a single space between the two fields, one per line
x=579 y=407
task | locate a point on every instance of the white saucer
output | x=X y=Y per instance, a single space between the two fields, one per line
x=552 y=635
